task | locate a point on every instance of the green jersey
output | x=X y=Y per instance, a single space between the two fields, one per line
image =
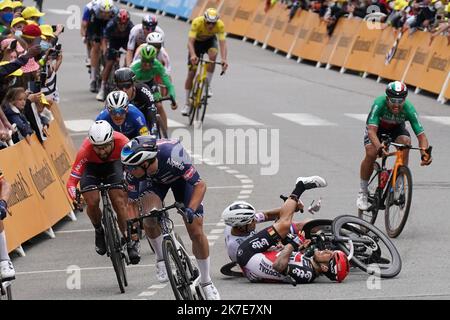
x=381 y=117
x=149 y=75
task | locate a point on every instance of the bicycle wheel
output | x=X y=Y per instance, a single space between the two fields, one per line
x=204 y=104
x=176 y=272
x=195 y=101
x=315 y=226
x=374 y=252
x=371 y=215
x=113 y=243
x=227 y=270
x=398 y=203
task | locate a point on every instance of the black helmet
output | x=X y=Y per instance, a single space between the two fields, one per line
x=138 y=150
x=396 y=89
x=124 y=76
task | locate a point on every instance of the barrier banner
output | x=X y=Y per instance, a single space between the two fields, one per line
x=53 y=198
x=384 y=44
x=242 y=18
x=180 y=8
x=300 y=48
x=447 y=92
x=65 y=137
x=419 y=61
x=330 y=47
x=257 y=22
x=283 y=33
x=347 y=36
x=202 y=5
x=262 y=30
x=437 y=67
x=363 y=48
x=402 y=57
x=59 y=157
x=151 y=4
x=25 y=217
x=228 y=11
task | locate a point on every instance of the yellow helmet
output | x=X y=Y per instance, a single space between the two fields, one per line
x=211 y=15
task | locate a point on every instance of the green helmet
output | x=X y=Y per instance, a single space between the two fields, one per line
x=148 y=53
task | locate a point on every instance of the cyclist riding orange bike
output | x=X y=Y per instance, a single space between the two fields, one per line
x=203 y=39
x=388 y=116
x=98 y=160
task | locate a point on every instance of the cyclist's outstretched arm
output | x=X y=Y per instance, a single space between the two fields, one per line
x=194 y=58
x=223 y=53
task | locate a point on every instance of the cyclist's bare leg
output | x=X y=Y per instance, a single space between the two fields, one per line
x=200 y=245
x=212 y=54
x=108 y=67
x=163 y=115
x=119 y=200
x=93 y=211
x=95 y=59
x=283 y=224
x=151 y=201
x=188 y=83
x=404 y=140
x=368 y=161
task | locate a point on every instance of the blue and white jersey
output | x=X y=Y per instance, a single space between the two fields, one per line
x=133 y=126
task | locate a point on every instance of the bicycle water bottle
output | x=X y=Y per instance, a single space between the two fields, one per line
x=384 y=176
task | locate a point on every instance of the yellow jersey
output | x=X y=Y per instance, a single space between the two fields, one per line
x=200 y=33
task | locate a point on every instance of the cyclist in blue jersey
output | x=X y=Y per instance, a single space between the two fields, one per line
x=152 y=167
x=123 y=116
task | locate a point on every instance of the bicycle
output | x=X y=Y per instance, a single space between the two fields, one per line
x=391 y=190
x=160 y=130
x=115 y=246
x=5 y=290
x=183 y=275
x=366 y=246
x=111 y=83
x=200 y=91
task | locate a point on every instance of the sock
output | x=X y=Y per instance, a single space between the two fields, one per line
x=299 y=189
x=3 y=250
x=209 y=76
x=103 y=84
x=364 y=186
x=93 y=74
x=188 y=92
x=157 y=246
x=203 y=265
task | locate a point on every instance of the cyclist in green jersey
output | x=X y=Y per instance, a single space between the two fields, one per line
x=388 y=116
x=146 y=70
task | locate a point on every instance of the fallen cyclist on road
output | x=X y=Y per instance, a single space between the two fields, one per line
x=275 y=254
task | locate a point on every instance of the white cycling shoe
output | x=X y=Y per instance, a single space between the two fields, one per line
x=7 y=270
x=161 y=272
x=210 y=292
x=312 y=182
x=361 y=202
x=186 y=109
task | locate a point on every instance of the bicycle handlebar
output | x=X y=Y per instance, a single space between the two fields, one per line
x=155 y=212
x=387 y=141
x=166 y=98
x=212 y=62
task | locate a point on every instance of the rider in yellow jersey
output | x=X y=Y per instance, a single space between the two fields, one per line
x=203 y=39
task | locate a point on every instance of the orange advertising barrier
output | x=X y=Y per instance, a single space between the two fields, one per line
x=264 y=29
x=242 y=18
x=437 y=67
x=402 y=57
x=363 y=48
x=257 y=22
x=384 y=44
x=419 y=60
x=227 y=12
x=301 y=43
x=317 y=41
x=202 y=5
x=332 y=42
x=347 y=37
x=447 y=91
x=38 y=199
x=279 y=38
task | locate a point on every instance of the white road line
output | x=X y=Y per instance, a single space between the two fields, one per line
x=357 y=116
x=247 y=186
x=223 y=167
x=232 y=171
x=216 y=231
x=233 y=119
x=59 y=11
x=82 y=125
x=220 y=224
x=305 y=119
x=157 y=286
x=246 y=191
x=81 y=269
x=146 y=293
x=246 y=181
x=174 y=124
x=243 y=197
x=211 y=237
x=241 y=176
x=211 y=244
x=225 y=187
x=440 y=120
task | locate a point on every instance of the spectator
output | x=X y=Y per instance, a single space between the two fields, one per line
x=17 y=26
x=34 y=111
x=14 y=106
x=31 y=13
x=426 y=16
x=6 y=267
x=11 y=49
x=50 y=63
x=6 y=15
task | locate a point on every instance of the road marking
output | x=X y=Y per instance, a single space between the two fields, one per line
x=174 y=124
x=157 y=286
x=223 y=167
x=241 y=176
x=440 y=120
x=220 y=224
x=233 y=119
x=212 y=237
x=211 y=244
x=146 y=293
x=232 y=171
x=246 y=191
x=216 y=231
x=246 y=181
x=305 y=119
x=357 y=116
x=81 y=269
x=59 y=11
x=82 y=125
x=243 y=197
x=226 y=187
x=247 y=186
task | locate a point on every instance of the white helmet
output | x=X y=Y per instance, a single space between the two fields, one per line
x=105 y=5
x=100 y=133
x=117 y=101
x=154 y=37
x=238 y=214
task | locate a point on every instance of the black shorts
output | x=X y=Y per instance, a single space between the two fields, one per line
x=115 y=45
x=202 y=47
x=258 y=243
x=393 y=133
x=95 y=173
x=95 y=29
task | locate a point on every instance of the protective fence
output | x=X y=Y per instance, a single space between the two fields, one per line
x=37 y=174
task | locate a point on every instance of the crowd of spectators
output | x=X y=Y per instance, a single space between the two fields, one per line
x=427 y=15
x=30 y=58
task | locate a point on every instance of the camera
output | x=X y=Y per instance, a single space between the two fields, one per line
x=56 y=51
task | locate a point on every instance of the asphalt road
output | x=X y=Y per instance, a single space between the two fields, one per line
x=259 y=85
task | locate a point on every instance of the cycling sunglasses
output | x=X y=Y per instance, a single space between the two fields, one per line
x=148 y=61
x=131 y=168
x=118 y=112
x=396 y=100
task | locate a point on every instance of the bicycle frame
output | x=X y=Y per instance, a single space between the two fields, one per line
x=198 y=81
